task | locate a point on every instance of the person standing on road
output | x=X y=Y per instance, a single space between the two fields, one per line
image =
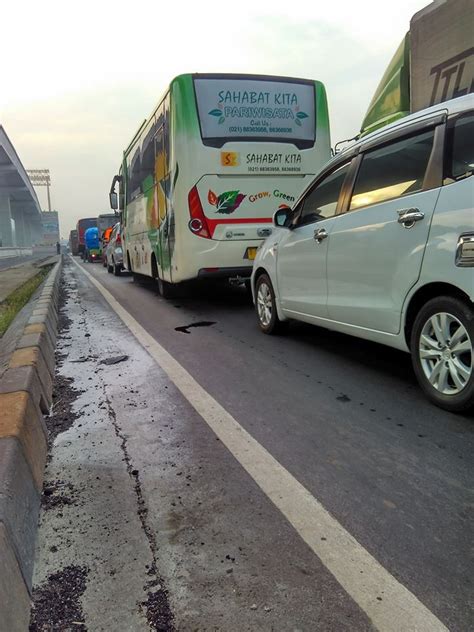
x=58 y=248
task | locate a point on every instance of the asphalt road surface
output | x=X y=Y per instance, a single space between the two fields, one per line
x=341 y=417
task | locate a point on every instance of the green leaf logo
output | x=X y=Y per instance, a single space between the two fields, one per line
x=215 y=112
x=228 y=202
x=298 y=122
x=302 y=115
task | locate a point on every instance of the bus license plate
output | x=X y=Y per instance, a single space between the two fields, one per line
x=250 y=253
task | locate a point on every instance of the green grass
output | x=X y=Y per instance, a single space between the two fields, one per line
x=10 y=307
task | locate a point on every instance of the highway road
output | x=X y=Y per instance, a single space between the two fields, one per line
x=291 y=465
x=38 y=253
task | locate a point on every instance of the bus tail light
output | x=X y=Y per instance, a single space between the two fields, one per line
x=197 y=224
x=118 y=240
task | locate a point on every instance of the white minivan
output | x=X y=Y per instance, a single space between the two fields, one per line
x=381 y=246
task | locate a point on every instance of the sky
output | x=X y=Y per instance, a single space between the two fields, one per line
x=78 y=79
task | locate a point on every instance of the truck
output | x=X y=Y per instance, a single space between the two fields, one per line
x=105 y=224
x=82 y=225
x=93 y=250
x=74 y=242
x=434 y=63
x=106 y=220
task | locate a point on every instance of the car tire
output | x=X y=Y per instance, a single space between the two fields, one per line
x=117 y=269
x=442 y=353
x=265 y=307
x=110 y=268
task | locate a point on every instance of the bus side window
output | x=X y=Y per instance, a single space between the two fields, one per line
x=133 y=173
x=148 y=158
x=160 y=145
x=160 y=154
x=166 y=133
x=121 y=199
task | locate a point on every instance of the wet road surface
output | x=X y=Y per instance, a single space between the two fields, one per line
x=343 y=416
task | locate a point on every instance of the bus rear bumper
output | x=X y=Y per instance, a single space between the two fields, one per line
x=242 y=272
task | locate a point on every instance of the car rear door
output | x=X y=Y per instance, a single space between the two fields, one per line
x=376 y=247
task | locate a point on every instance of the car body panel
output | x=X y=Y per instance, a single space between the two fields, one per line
x=114 y=251
x=388 y=255
x=400 y=261
x=301 y=270
x=454 y=216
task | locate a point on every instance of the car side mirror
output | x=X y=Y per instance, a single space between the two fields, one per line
x=113 y=200
x=282 y=217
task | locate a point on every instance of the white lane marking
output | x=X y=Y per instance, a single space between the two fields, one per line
x=390 y=606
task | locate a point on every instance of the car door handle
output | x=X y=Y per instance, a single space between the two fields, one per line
x=320 y=234
x=408 y=216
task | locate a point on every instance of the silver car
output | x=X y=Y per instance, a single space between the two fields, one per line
x=114 y=253
x=381 y=246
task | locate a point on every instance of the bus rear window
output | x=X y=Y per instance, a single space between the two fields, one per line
x=256 y=109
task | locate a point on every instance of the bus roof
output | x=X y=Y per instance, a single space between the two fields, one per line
x=216 y=75
x=244 y=75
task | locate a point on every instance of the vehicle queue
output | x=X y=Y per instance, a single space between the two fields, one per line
x=377 y=243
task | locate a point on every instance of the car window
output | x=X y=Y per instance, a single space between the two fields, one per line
x=460 y=150
x=321 y=202
x=393 y=170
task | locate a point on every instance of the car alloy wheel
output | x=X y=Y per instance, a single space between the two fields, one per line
x=442 y=352
x=264 y=304
x=446 y=353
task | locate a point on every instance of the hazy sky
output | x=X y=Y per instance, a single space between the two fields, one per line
x=77 y=79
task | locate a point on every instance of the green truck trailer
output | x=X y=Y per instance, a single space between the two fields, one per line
x=434 y=63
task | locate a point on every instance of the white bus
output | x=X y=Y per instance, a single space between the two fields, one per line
x=202 y=177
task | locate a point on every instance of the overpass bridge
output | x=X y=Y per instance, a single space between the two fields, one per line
x=20 y=212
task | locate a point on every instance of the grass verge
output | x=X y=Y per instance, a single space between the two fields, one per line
x=10 y=307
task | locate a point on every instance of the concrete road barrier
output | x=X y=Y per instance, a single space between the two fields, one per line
x=15 y=252
x=25 y=396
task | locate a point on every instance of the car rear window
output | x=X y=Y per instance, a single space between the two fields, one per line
x=393 y=170
x=459 y=162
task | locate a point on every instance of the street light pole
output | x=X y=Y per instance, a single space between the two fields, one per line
x=49 y=198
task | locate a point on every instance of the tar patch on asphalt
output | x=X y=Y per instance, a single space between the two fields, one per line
x=57 y=494
x=201 y=323
x=114 y=360
x=63 y=416
x=57 y=602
